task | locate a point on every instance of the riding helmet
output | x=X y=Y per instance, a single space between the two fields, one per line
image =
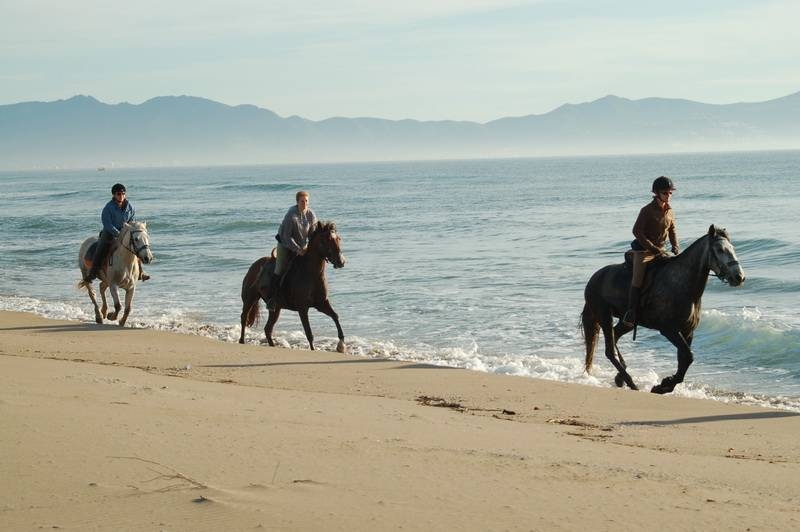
x=119 y=187
x=662 y=183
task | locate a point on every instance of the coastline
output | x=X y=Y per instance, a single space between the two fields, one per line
x=106 y=428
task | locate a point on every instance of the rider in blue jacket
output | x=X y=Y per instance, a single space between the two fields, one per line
x=116 y=213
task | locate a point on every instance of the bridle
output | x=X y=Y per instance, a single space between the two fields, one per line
x=317 y=234
x=134 y=250
x=724 y=273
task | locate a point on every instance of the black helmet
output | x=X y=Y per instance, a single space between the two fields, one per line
x=119 y=187
x=662 y=183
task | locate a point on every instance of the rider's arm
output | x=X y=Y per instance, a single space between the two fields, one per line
x=287 y=231
x=130 y=212
x=673 y=236
x=108 y=221
x=639 y=231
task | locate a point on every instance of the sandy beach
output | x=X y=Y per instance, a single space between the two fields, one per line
x=103 y=428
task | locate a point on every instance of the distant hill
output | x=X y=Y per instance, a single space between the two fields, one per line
x=82 y=132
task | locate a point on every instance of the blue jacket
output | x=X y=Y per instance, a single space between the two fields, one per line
x=114 y=217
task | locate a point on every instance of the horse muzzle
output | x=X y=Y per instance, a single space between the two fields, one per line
x=736 y=278
x=339 y=262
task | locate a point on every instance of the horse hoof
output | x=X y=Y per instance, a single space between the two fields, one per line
x=619 y=380
x=340 y=347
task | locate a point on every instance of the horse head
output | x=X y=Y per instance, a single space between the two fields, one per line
x=722 y=257
x=328 y=243
x=137 y=241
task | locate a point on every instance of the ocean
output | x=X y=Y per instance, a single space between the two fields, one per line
x=477 y=264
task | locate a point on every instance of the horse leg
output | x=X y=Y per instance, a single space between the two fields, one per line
x=327 y=309
x=117 y=305
x=612 y=354
x=271 y=321
x=620 y=330
x=128 y=303
x=253 y=298
x=685 y=359
x=98 y=317
x=306 y=326
x=103 y=288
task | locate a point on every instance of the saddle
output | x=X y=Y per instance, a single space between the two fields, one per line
x=88 y=257
x=651 y=268
x=268 y=269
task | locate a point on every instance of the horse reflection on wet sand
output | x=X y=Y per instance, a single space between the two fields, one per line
x=671 y=305
x=305 y=285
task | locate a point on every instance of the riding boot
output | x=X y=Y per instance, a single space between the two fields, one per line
x=142 y=275
x=274 y=286
x=97 y=259
x=629 y=318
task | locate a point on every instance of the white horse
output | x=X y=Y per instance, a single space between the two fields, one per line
x=121 y=271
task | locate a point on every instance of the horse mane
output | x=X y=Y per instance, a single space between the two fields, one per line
x=129 y=226
x=717 y=232
x=321 y=227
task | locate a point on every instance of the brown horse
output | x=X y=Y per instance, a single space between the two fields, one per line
x=671 y=305
x=304 y=286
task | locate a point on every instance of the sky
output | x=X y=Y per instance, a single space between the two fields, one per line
x=475 y=60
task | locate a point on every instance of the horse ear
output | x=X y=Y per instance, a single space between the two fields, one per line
x=712 y=230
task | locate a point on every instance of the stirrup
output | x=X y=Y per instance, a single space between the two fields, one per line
x=629 y=319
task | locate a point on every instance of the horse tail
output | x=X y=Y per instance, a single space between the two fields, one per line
x=253 y=314
x=590 y=328
x=250 y=297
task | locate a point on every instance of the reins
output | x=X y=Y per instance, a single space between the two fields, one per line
x=133 y=251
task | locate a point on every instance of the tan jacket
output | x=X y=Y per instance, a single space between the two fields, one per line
x=654 y=226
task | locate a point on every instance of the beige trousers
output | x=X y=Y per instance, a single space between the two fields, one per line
x=640 y=260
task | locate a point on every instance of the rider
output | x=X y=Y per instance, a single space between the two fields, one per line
x=656 y=223
x=292 y=240
x=115 y=214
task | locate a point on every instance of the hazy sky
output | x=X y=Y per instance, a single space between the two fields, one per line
x=423 y=59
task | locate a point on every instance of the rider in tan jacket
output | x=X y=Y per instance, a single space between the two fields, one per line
x=656 y=223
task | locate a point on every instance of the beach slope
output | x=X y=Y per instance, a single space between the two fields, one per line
x=103 y=428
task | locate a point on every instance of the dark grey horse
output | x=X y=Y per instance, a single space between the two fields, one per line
x=671 y=304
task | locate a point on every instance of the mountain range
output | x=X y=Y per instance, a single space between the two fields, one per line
x=82 y=132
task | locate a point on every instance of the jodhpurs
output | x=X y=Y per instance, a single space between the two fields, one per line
x=640 y=260
x=284 y=258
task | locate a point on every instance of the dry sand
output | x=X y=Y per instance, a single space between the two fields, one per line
x=104 y=428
